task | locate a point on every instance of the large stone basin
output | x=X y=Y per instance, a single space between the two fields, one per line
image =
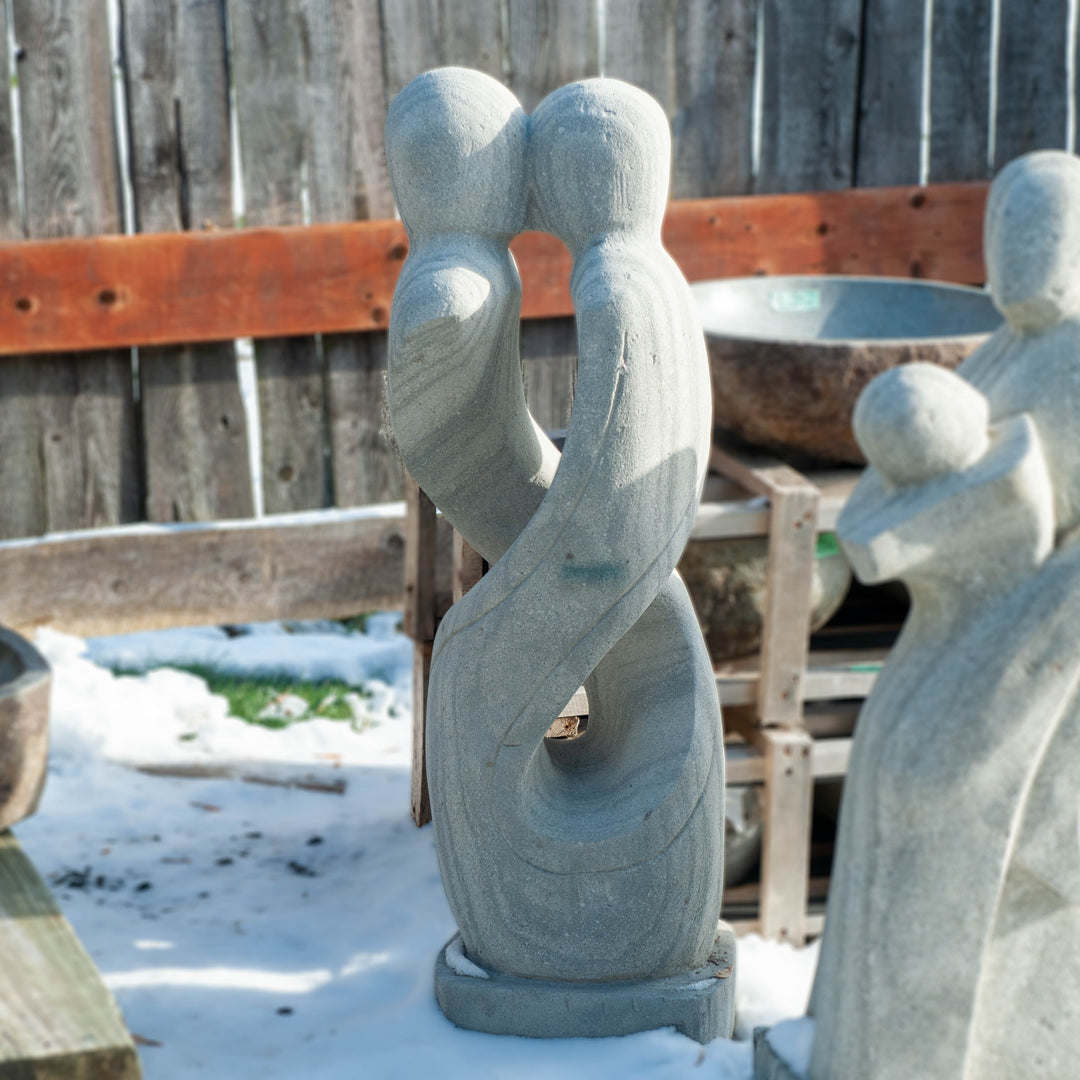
x=790 y=355
x=24 y=727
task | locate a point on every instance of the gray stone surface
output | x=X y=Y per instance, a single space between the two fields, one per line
x=952 y=941
x=698 y=1003
x=596 y=859
x=783 y=1051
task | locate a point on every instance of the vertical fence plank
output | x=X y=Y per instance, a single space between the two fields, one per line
x=890 y=94
x=194 y=428
x=11 y=227
x=423 y=34
x=347 y=97
x=811 y=53
x=959 y=91
x=550 y=43
x=77 y=464
x=697 y=59
x=270 y=101
x=1032 y=78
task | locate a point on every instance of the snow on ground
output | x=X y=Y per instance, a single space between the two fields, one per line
x=254 y=930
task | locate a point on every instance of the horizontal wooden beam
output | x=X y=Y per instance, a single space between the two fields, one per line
x=57 y=1018
x=146 y=578
x=151 y=289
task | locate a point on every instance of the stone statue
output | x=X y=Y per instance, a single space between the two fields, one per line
x=952 y=940
x=584 y=874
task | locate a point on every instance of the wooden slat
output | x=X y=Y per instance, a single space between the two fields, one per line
x=785 y=843
x=827 y=677
x=337 y=278
x=697 y=59
x=272 y=116
x=195 y=431
x=1032 y=77
x=890 y=94
x=57 y=1019
x=419 y=798
x=809 y=94
x=419 y=573
x=960 y=90
x=70 y=459
x=348 y=180
x=11 y=224
x=147 y=578
x=424 y=34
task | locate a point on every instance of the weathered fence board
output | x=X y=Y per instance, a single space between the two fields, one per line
x=423 y=34
x=1032 y=77
x=11 y=226
x=890 y=105
x=146 y=578
x=267 y=282
x=809 y=84
x=70 y=457
x=697 y=59
x=272 y=111
x=347 y=106
x=193 y=422
x=959 y=90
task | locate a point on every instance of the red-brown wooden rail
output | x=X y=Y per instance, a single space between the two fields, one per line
x=108 y=291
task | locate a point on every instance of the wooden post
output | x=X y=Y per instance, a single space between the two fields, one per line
x=418 y=622
x=785 y=851
x=469 y=566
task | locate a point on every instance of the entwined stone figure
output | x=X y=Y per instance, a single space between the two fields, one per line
x=592 y=864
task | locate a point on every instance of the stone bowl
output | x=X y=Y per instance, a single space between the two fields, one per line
x=24 y=727
x=790 y=355
x=727 y=579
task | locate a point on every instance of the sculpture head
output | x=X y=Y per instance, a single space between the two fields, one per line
x=1031 y=238
x=455 y=148
x=599 y=157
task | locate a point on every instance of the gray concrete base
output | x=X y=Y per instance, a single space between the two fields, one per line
x=700 y=1004
x=783 y=1052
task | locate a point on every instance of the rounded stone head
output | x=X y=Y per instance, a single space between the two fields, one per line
x=455 y=148
x=599 y=158
x=917 y=422
x=1031 y=239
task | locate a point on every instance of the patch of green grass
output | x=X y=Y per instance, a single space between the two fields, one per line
x=248 y=697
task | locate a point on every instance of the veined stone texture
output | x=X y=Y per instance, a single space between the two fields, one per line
x=597 y=858
x=952 y=940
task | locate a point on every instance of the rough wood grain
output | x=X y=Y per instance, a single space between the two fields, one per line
x=809 y=94
x=347 y=104
x=423 y=34
x=418 y=617
x=1032 y=83
x=71 y=458
x=194 y=427
x=890 y=93
x=188 y=575
x=273 y=120
x=24 y=727
x=57 y=1019
x=959 y=91
x=697 y=59
x=785 y=846
x=336 y=278
x=11 y=224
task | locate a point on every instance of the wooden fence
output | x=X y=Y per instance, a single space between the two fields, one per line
x=764 y=96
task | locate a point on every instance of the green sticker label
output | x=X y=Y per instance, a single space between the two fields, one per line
x=827 y=545
x=795 y=300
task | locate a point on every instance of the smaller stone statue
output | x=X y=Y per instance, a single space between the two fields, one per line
x=952 y=940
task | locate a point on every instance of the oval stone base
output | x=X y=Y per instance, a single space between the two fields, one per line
x=700 y=1004
x=782 y=1052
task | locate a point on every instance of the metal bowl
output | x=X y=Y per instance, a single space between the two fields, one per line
x=790 y=355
